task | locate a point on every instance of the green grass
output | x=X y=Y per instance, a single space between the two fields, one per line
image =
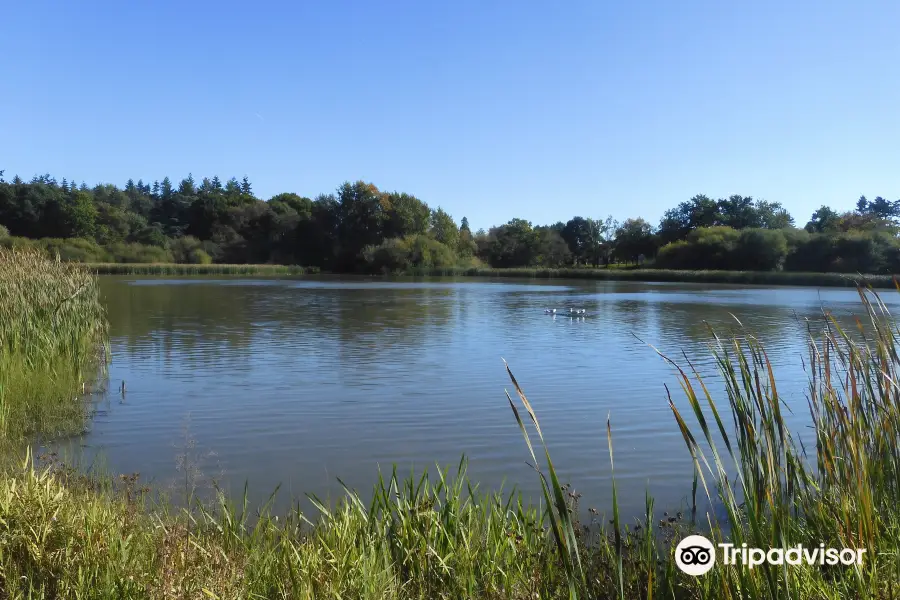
x=67 y=535
x=190 y=269
x=617 y=273
x=52 y=341
x=670 y=275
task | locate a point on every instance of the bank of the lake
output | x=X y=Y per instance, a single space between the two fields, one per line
x=612 y=274
x=66 y=534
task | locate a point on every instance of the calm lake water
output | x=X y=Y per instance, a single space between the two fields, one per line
x=300 y=381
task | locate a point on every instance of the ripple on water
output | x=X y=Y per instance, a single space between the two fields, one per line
x=301 y=381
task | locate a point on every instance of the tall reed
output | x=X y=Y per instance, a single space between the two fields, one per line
x=191 y=269
x=773 y=493
x=53 y=334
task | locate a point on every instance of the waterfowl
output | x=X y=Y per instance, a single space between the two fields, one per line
x=550 y=311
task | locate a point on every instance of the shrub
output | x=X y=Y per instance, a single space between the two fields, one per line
x=74 y=249
x=189 y=249
x=199 y=256
x=760 y=250
x=390 y=256
x=417 y=251
x=138 y=253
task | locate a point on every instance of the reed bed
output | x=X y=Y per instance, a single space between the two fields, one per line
x=67 y=535
x=613 y=274
x=670 y=275
x=192 y=269
x=52 y=341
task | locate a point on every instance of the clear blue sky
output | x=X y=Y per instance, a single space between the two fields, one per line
x=492 y=110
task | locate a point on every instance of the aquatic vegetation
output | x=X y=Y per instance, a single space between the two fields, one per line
x=194 y=269
x=52 y=339
x=664 y=275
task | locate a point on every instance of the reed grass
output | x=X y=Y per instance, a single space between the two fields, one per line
x=52 y=340
x=671 y=275
x=436 y=535
x=612 y=274
x=192 y=269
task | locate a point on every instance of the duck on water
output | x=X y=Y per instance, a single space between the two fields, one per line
x=572 y=311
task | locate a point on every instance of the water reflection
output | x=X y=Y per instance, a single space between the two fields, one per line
x=300 y=381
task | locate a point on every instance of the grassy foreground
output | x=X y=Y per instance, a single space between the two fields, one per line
x=64 y=535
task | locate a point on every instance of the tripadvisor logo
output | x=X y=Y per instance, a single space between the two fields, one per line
x=696 y=555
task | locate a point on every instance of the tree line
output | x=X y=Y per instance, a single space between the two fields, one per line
x=360 y=228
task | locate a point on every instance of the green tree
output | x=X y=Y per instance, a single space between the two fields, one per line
x=78 y=215
x=824 y=219
x=771 y=215
x=514 y=244
x=552 y=250
x=738 y=212
x=406 y=215
x=466 y=247
x=443 y=228
x=634 y=238
x=363 y=214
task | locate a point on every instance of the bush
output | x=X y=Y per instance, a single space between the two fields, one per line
x=760 y=250
x=815 y=253
x=723 y=248
x=390 y=256
x=138 y=253
x=150 y=236
x=189 y=249
x=4 y=232
x=425 y=251
x=74 y=249
x=417 y=251
x=199 y=256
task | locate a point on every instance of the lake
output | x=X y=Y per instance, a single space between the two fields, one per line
x=300 y=381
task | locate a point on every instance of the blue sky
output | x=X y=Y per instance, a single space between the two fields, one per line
x=492 y=110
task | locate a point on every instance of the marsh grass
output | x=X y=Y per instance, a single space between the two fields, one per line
x=192 y=269
x=64 y=534
x=669 y=275
x=53 y=339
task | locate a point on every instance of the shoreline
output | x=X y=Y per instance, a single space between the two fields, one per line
x=779 y=278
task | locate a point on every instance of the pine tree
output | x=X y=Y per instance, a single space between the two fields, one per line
x=245 y=186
